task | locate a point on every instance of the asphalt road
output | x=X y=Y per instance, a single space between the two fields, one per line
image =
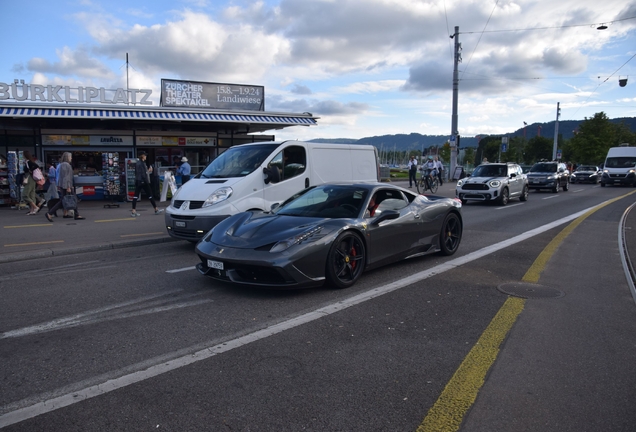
x=132 y=338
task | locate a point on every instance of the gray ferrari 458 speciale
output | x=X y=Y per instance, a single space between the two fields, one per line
x=330 y=232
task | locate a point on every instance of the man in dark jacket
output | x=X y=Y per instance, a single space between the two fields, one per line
x=142 y=181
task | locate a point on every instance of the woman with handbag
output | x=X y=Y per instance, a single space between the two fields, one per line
x=65 y=183
x=29 y=183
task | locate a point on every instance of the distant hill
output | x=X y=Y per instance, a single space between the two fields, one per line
x=415 y=141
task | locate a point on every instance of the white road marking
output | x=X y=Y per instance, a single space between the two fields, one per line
x=84 y=317
x=550 y=197
x=181 y=269
x=509 y=206
x=34 y=406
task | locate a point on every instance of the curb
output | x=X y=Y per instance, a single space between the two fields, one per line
x=46 y=253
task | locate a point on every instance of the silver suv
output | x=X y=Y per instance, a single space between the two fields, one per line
x=493 y=182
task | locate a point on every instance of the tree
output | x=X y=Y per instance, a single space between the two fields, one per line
x=594 y=138
x=444 y=152
x=538 y=148
x=515 y=150
x=469 y=155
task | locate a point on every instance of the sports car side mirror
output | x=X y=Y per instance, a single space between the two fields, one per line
x=386 y=215
x=274 y=207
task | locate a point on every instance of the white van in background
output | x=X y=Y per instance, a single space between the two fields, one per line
x=256 y=176
x=620 y=167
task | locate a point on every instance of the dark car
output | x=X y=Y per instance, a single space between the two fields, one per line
x=332 y=233
x=586 y=174
x=549 y=175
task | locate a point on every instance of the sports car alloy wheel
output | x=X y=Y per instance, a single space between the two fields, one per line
x=451 y=234
x=346 y=260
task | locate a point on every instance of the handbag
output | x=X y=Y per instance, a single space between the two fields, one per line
x=38 y=177
x=69 y=202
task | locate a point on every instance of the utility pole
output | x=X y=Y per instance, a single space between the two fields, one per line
x=556 y=132
x=454 y=130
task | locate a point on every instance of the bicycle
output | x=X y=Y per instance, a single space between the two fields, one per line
x=427 y=181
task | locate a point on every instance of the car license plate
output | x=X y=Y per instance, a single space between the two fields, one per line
x=180 y=224
x=215 y=264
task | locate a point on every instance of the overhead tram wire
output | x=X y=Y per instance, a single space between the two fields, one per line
x=450 y=45
x=548 y=28
x=600 y=84
x=480 y=36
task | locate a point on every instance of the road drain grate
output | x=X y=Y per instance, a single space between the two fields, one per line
x=529 y=290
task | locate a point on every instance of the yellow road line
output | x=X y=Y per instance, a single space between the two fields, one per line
x=448 y=412
x=535 y=270
x=36 y=243
x=139 y=235
x=458 y=396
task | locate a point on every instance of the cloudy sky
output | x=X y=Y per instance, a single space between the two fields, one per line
x=365 y=67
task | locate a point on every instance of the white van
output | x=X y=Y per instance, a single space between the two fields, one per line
x=620 y=167
x=256 y=176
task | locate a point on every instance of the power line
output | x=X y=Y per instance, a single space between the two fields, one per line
x=547 y=28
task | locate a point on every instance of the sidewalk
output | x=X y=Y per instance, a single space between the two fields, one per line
x=29 y=237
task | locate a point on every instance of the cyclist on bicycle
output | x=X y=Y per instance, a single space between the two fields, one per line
x=430 y=171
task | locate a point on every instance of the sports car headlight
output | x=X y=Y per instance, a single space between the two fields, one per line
x=217 y=196
x=494 y=183
x=286 y=244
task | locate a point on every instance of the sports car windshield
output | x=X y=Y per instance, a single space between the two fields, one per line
x=238 y=161
x=327 y=201
x=490 y=171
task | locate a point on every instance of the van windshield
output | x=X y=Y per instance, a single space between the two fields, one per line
x=238 y=161
x=620 y=162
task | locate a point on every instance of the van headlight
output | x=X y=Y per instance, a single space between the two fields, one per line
x=174 y=197
x=217 y=196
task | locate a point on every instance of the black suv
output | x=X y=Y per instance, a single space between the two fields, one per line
x=549 y=175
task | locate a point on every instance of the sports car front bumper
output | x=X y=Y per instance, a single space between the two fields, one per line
x=261 y=268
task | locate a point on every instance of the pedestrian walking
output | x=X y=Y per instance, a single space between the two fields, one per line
x=412 y=165
x=29 y=187
x=184 y=170
x=51 y=192
x=142 y=182
x=65 y=182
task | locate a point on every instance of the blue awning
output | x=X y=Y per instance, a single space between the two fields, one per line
x=159 y=114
